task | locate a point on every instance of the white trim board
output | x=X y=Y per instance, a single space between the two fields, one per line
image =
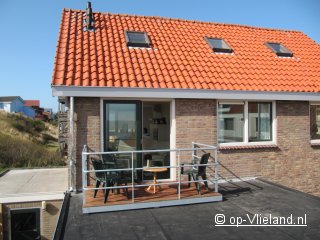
x=35 y=197
x=112 y=92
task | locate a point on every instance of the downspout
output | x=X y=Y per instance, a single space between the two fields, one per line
x=71 y=144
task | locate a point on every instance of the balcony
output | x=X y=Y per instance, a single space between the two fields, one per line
x=148 y=191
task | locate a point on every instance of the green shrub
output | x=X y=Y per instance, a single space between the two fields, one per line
x=28 y=125
x=16 y=152
x=39 y=125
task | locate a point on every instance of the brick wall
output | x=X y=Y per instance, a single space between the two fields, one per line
x=293 y=163
x=49 y=217
x=86 y=132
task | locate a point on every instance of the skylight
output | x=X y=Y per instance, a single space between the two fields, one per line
x=218 y=45
x=279 y=49
x=137 y=39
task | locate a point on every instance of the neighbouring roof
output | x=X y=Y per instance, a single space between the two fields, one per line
x=10 y=99
x=197 y=221
x=180 y=58
x=32 y=103
x=23 y=185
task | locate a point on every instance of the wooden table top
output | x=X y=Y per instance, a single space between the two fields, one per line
x=156 y=169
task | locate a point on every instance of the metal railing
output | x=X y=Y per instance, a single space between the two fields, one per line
x=213 y=165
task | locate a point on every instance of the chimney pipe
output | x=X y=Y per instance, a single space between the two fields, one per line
x=88 y=22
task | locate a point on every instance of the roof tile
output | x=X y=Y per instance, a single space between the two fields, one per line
x=180 y=58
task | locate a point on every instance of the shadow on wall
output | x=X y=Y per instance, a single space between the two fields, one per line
x=51 y=209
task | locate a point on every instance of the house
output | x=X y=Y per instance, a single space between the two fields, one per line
x=151 y=83
x=35 y=104
x=16 y=104
x=11 y=104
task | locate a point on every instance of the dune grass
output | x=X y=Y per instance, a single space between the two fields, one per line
x=25 y=142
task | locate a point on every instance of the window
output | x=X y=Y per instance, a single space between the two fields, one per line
x=25 y=224
x=137 y=39
x=218 y=45
x=231 y=113
x=279 y=49
x=315 y=121
x=260 y=121
x=229 y=123
x=245 y=122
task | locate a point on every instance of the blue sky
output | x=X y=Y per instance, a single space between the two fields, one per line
x=29 y=30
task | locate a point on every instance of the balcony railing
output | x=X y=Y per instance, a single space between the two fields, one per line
x=180 y=162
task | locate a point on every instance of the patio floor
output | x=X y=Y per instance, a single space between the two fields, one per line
x=141 y=195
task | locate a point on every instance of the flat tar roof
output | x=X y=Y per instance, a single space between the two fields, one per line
x=21 y=185
x=241 y=199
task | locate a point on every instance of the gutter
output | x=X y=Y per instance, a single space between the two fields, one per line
x=71 y=119
x=152 y=93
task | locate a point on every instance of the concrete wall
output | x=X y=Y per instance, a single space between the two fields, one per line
x=49 y=217
x=293 y=162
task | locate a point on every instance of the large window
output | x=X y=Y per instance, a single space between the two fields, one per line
x=315 y=121
x=244 y=122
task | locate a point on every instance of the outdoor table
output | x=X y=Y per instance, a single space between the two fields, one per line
x=154 y=171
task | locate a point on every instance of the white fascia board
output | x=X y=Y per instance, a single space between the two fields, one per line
x=112 y=92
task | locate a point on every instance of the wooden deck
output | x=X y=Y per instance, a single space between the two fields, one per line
x=167 y=192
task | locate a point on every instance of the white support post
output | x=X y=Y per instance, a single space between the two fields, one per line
x=216 y=170
x=71 y=144
x=84 y=173
x=132 y=176
x=179 y=175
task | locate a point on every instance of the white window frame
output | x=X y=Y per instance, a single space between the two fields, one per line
x=313 y=141
x=246 y=124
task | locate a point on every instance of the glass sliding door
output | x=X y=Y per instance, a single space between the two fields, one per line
x=123 y=130
x=156 y=135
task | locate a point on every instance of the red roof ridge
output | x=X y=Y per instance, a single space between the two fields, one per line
x=186 y=20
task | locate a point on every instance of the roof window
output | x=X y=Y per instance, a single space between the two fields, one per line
x=218 y=45
x=137 y=39
x=279 y=49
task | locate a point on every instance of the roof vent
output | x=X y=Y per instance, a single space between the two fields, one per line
x=88 y=22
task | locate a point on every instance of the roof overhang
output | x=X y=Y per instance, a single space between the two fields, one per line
x=112 y=92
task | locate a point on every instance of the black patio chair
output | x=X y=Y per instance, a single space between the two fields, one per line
x=106 y=178
x=197 y=171
x=110 y=161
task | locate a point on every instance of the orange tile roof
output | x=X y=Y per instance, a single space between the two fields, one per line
x=32 y=103
x=180 y=57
